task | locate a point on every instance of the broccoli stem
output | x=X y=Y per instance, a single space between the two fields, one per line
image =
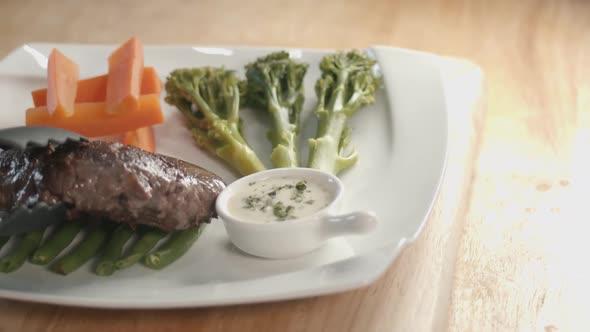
x=285 y=153
x=235 y=152
x=275 y=85
x=210 y=100
x=347 y=84
x=325 y=149
x=241 y=156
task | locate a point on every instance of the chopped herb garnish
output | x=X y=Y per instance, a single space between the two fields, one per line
x=251 y=202
x=297 y=197
x=280 y=201
x=300 y=189
x=290 y=209
x=281 y=211
x=301 y=185
x=267 y=204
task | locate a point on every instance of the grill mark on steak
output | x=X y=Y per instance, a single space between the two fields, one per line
x=111 y=180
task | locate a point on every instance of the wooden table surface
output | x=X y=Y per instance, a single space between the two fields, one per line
x=508 y=258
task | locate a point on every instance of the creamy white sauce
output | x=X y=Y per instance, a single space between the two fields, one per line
x=278 y=199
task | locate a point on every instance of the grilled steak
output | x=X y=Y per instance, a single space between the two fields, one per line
x=111 y=180
x=19 y=175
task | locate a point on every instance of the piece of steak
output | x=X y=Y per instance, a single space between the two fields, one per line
x=115 y=181
x=19 y=176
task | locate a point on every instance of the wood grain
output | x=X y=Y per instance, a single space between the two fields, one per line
x=515 y=266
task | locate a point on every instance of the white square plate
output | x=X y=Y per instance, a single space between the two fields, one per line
x=401 y=140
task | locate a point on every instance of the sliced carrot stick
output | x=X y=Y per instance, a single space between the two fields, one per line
x=87 y=91
x=94 y=89
x=62 y=83
x=142 y=138
x=150 y=81
x=124 y=77
x=92 y=120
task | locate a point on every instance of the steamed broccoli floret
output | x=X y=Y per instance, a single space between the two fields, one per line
x=347 y=83
x=210 y=100
x=275 y=84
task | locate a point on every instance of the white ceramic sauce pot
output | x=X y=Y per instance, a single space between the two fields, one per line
x=293 y=237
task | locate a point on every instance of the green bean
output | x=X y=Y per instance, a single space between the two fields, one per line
x=58 y=241
x=3 y=240
x=17 y=257
x=113 y=250
x=178 y=244
x=83 y=252
x=141 y=248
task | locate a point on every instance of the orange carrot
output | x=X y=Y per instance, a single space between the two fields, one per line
x=62 y=79
x=142 y=138
x=150 y=82
x=94 y=89
x=88 y=90
x=92 y=119
x=124 y=77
